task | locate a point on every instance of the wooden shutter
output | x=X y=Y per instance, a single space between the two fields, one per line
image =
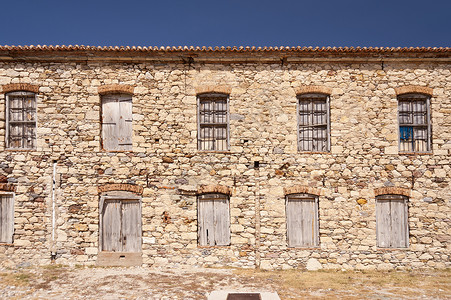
x=6 y=218
x=302 y=220
x=125 y=128
x=392 y=221
x=222 y=221
x=131 y=226
x=110 y=118
x=206 y=222
x=111 y=226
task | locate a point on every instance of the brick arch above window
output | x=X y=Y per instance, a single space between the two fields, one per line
x=302 y=189
x=392 y=191
x=120 y=187
x=206 y=189
x=116 y=89
x=13 y=87
x=219 y=89
x=313 y=89
x=7 y=187
x=414 y=89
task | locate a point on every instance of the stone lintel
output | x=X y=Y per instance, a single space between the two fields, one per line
x=205 y=189
x=220 y=89
x=313 y=89
x=15 y=87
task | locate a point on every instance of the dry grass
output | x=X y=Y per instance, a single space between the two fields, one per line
x=356 y=284
x=92 y=283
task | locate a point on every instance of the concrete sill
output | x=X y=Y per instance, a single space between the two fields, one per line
x=119 y=259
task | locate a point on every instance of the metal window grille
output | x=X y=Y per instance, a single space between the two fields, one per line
x=21 y=120
x=414 y=123
x=313 y=123
x=213 y=122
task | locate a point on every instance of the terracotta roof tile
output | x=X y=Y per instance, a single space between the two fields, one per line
x=224 y=49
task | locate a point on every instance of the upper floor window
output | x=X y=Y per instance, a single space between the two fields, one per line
x=313 y=122
x=213 y=220
x=414 y=123
x=6 y=217
x=302 y=220
x=117 y=118
x=392 y=229
x=213 y=122
x=20 y=120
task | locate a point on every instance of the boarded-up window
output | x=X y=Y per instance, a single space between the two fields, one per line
x=121 y=225
x=6 y=218
x=302 y=220
x=392 y=221
x=414 y=123
x=213 y=122
x=21 y=120
x=117 y=118
x=213 y=220
x=313 y=122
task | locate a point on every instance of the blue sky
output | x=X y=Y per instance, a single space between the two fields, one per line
x=377 y=23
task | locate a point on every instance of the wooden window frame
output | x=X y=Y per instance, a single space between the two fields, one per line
x=310 y=97
x=103 y=99
x=391 y=198
x=120 y=196
x=315 y=227
x=410 y=98
x=10 y=196
x=8 y=122
x=201 y=125
x=212 y=197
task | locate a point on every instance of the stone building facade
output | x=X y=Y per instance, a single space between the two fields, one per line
x=56 y=176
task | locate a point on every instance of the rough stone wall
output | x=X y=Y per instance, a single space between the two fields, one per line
x=166 y=164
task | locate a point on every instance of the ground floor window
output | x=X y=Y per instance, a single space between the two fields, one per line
x=392 y=221
x=213 y=220
x=302 y=220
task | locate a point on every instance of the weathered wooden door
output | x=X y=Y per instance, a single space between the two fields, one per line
x=392 y=224
x=121 y=226
x=302 y=221
x=6 y=218
x=214 y=220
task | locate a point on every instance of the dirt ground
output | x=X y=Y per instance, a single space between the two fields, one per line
x=63 y=282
